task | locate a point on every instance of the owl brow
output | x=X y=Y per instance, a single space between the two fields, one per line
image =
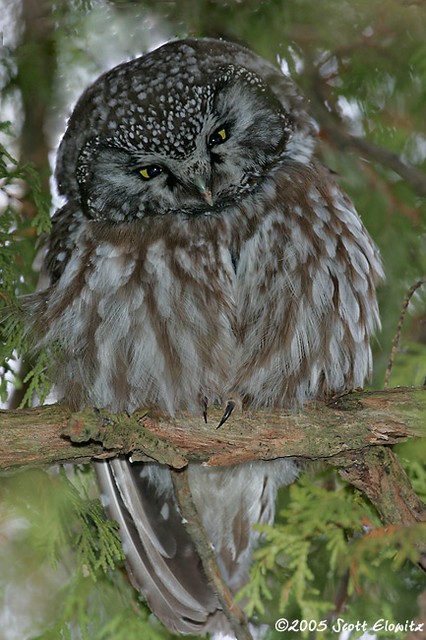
x=136 y=162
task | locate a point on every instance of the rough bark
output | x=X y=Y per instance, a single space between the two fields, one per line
x=352 y=422
x=199 y=537
x=378 y=473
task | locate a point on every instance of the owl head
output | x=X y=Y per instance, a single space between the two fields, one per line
x=187 y=129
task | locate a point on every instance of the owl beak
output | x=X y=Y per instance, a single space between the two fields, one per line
x=204 y=190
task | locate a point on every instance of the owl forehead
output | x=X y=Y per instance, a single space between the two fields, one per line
x=159 y=109
x=157 y=121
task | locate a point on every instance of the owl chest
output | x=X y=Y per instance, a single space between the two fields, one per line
x=158 y=327
x=171 y=289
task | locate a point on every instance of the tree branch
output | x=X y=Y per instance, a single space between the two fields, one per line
x=395 y=342
x=333 y=128
x=200 y=539
x=352 y=422
x=342 y=139
x=380 y=476
x=345 y=432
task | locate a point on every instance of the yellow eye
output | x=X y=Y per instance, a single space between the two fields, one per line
x=218 y=136
x=151 y=171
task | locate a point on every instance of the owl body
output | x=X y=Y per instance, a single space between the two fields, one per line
x=191 y=286
x=202 y=253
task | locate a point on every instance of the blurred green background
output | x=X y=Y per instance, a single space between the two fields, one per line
x=362 y=66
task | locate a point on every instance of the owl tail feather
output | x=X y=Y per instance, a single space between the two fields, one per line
x=161 y=559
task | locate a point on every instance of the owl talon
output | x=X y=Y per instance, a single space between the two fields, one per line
x=228 y=410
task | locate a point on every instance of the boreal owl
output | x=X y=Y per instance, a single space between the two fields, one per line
x=202 y=254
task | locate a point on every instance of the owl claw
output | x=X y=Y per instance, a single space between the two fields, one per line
x=228 y=410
